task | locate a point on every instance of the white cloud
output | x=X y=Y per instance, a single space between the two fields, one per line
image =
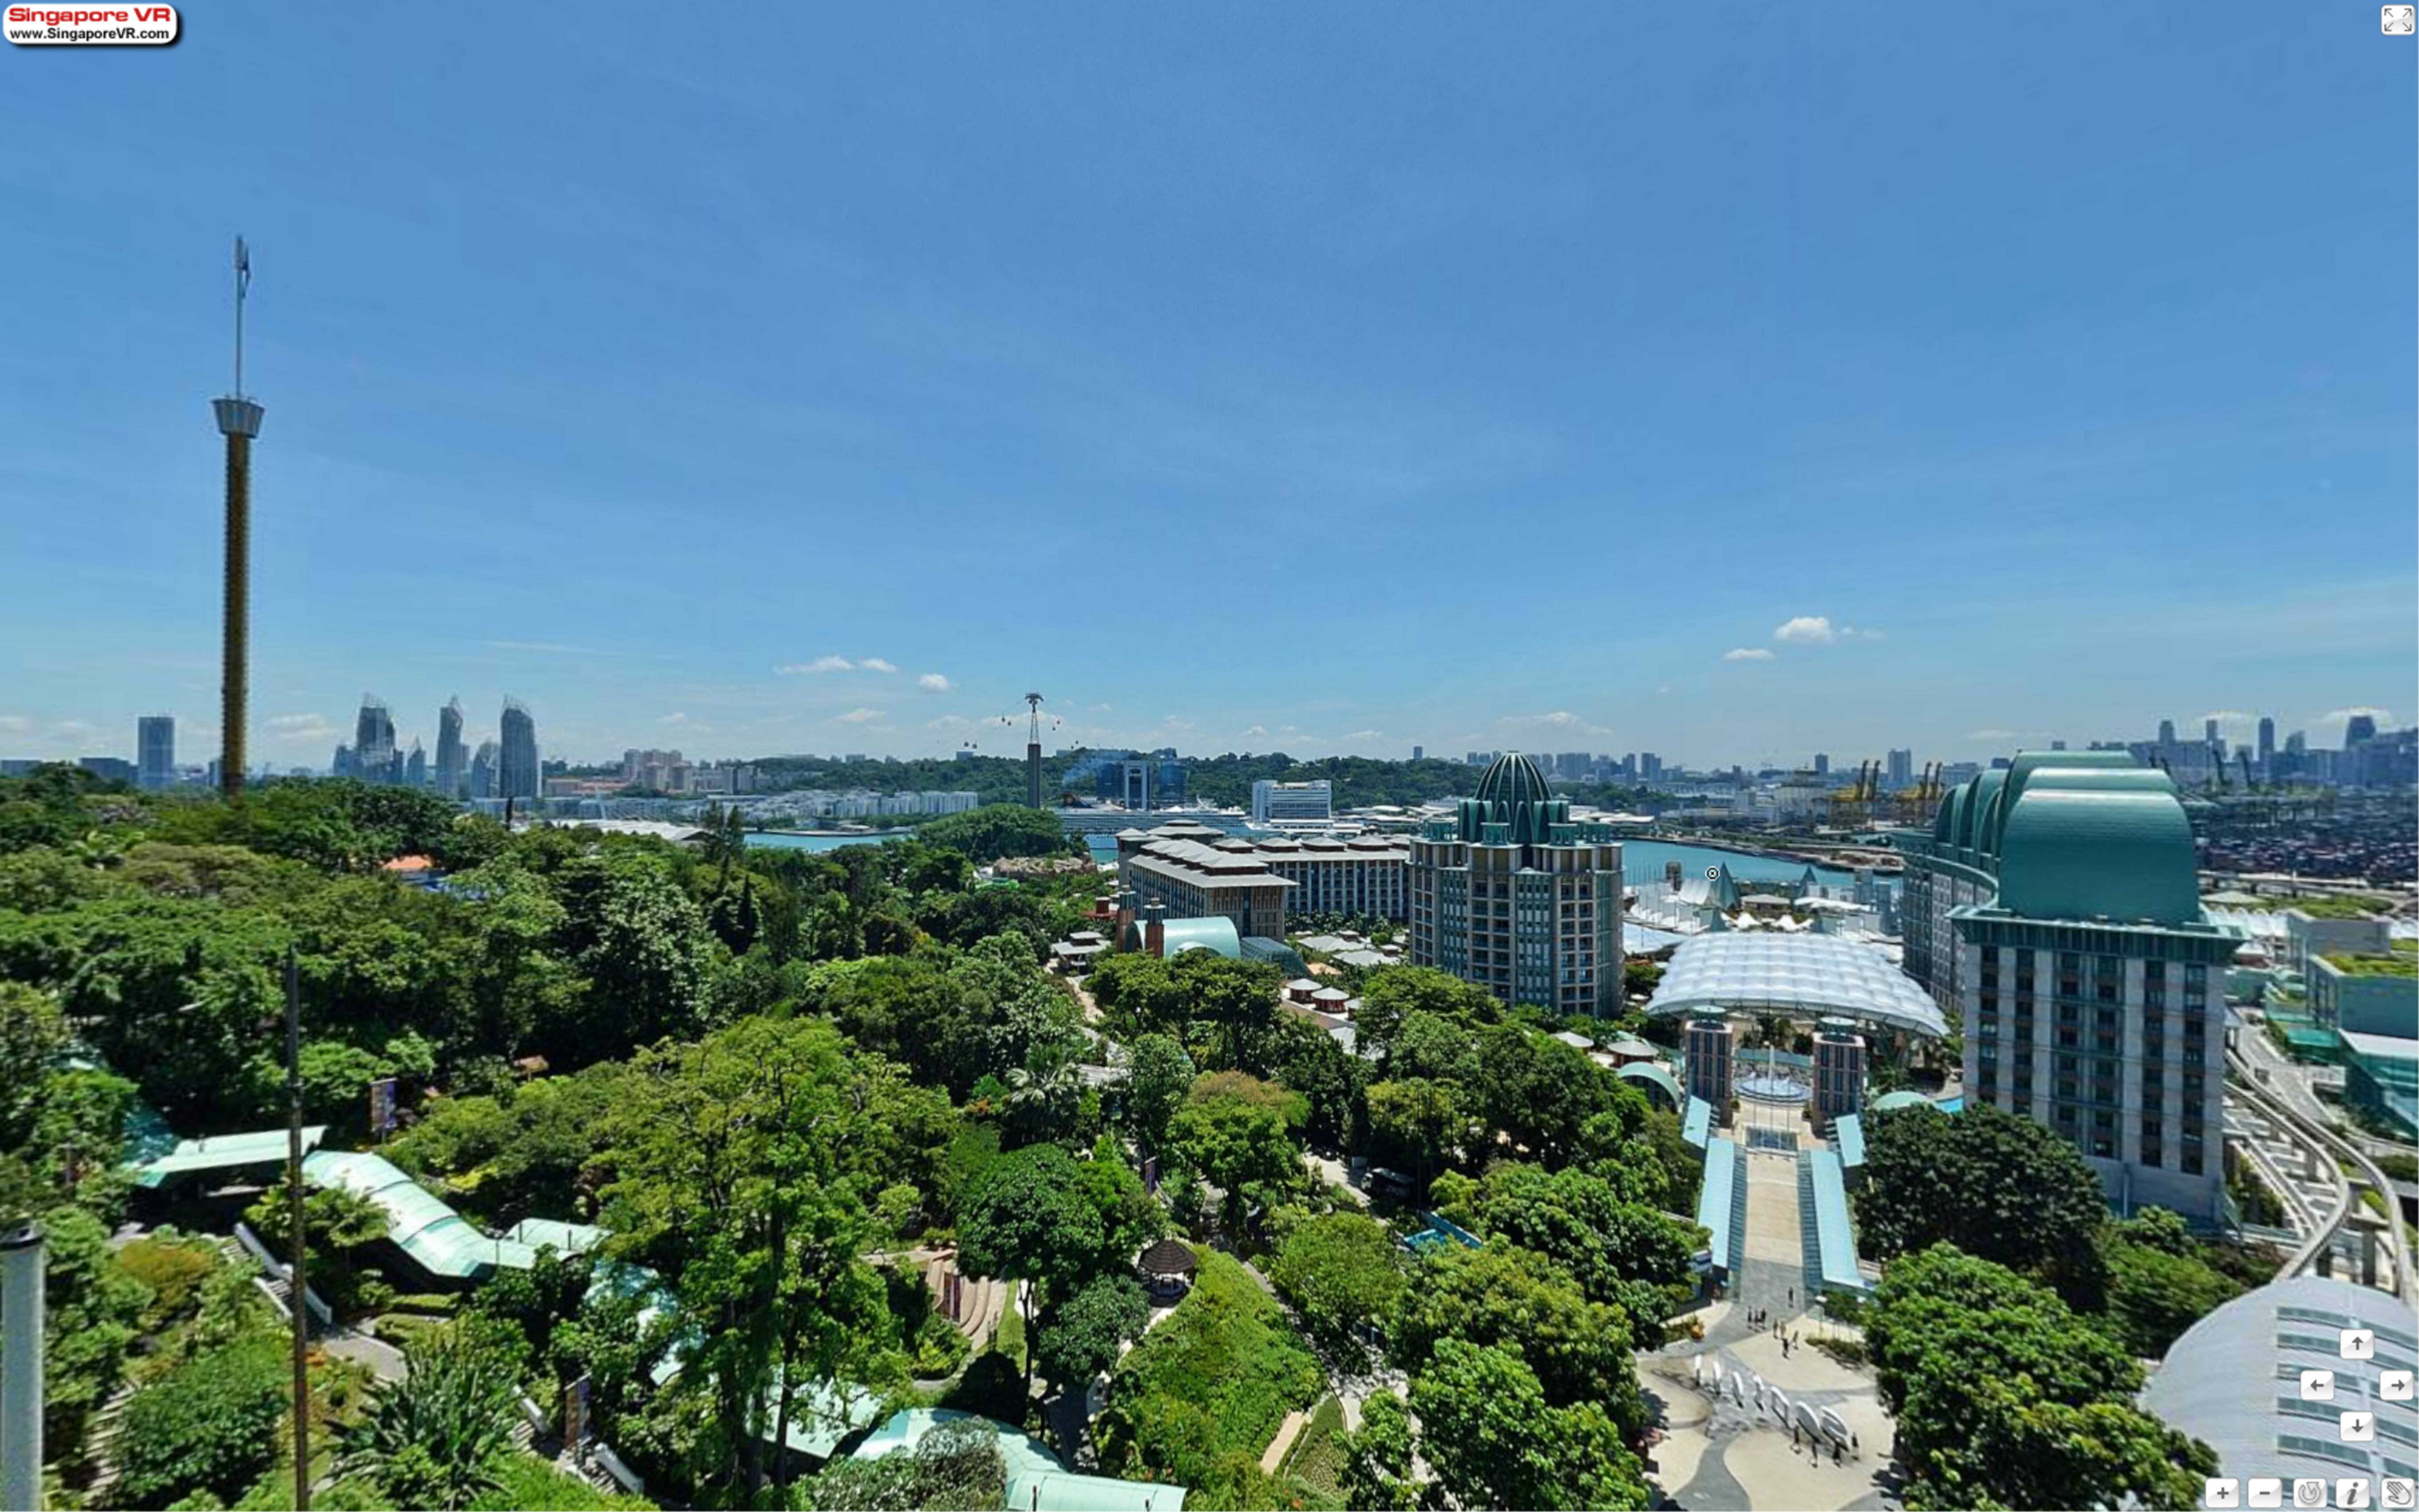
x=1993 y=735
x=859 y=717
x=2383 y=716
x=821 y=664
x=875 y=664
x=933 y=682
x=1561 y=721
x=1356 y=735
x=1818 y=630
x=1100 y=708
x=14 y=724
x=676 y=717
x=1257 y=732
x=950 y=721
x=1746 y=654
x=1173 y=722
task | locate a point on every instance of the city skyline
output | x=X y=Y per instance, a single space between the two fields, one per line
x=2143 y=451
x=2238 y=729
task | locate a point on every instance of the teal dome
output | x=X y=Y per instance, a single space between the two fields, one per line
x=2076 y=854
x=1943 y=824
x=2030 y=767
x=1513 y=778
x=1513 y=793
x=1978 y=799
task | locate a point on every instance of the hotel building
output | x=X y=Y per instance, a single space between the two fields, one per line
x=1513 y=896
x=2056 y=906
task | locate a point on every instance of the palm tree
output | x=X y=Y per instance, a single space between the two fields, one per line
x=433 y=1438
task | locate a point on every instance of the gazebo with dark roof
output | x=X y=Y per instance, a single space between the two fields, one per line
x=1170 y=1263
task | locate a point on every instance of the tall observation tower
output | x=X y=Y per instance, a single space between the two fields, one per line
x=239 y=419
x=1033 y=751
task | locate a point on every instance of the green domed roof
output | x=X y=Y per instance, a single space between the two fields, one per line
x=1513 y=793
x=2074 y=853
x=2030 y=767
x=1513 y=778
x=1969 y=816
x=1943 y=824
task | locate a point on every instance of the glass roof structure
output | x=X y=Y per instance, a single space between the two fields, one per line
x=219 y=1154
x=1806 y=975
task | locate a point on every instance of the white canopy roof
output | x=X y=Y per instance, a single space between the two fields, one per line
x=1804 y=975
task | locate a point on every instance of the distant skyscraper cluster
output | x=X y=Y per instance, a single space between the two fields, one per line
x=502 y=768
x=2368 y=758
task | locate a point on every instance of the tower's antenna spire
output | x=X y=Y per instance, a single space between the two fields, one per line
x=243 y=287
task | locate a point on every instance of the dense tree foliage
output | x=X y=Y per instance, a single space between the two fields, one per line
x=1504 y=1296
x=1995 y=1184
x=436 y=1438
x=210 y=1426
x=2005 y=1397
x=771 y=1075
x=1343 y=1275
x=1621 y=1252
x=998 y=829
x=1485 y=1428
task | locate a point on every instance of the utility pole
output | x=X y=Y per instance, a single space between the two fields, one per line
x=297 y=1283
x=239 y=420
x=20 y=1366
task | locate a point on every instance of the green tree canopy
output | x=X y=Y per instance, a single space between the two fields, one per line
x=1994 y=1183
x=1519 y=1299
x=1486 y=1428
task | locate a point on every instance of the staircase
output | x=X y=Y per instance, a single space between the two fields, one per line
x=101 y=1444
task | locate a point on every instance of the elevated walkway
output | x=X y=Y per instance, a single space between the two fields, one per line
x=1828 y=1237
x=1721 y=1208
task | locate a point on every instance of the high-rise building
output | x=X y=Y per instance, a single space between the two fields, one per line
x=1292 y=802
x=2055 y=905
x=155 y=751
x=1822 y=764
x=1574 y=765
x=1418 y=753
x=1650 y=766
x=516 y=769
x=373 y=756
x=479 y=782
x=2267 y=744
x=2166 y=732
x=2209 y=731
x=415 y=767
x=1901 y=769
x=2359 y=729
x=449 y=749
x=1514 y=896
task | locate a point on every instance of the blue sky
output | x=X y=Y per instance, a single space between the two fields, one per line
x=1730 y=381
